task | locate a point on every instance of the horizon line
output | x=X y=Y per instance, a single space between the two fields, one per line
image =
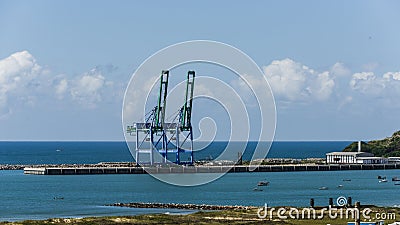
x=91 y=140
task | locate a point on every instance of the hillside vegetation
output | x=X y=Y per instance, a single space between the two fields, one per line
x=388 y=147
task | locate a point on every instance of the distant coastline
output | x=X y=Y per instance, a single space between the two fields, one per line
x=387 y=147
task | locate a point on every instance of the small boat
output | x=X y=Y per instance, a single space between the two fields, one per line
x=58 y=198
x=395 y=179
x=323 y=188
x=257 y=189
x=346 y=179
x=381 y=178
x=383 y=181
x=263 y=183
x=340 y=186
x=58 y=150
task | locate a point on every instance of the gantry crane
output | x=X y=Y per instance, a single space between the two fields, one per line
x=155 y=129
x=185 y=117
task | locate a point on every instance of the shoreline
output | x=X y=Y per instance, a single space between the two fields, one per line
x=251 y=215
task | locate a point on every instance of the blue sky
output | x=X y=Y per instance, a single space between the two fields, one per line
x=333 y=65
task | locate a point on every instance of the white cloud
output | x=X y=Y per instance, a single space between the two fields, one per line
x=293 y=81
x=321 y=87
x=19 y=68
x=90 y=88
x=19 y=76
x=364 y=76
x=24 y=82
x=367 y=83
x=286 y=78
x=90 y=84
x=392 y=75
x=392 y=83
x=61 y=88
x=86 y=89
x=339 y=70
x=383 y=90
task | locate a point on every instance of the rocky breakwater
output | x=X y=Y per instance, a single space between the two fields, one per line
x=98 y=165
x=12 y=167
x=181 y=206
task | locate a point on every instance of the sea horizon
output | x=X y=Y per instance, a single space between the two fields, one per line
x=80 y=152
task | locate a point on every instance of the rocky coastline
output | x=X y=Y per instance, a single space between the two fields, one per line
x=181 y=206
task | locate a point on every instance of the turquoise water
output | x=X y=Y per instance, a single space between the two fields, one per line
x=40 y=197
x=32 y=196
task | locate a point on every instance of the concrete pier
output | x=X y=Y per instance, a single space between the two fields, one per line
x=202 y=169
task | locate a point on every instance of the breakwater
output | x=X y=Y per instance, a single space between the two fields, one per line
x=12 y=167
x=202 y=169
x=181 y=206
x=97 y=165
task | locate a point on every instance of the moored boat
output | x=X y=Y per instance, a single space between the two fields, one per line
x=263 y=183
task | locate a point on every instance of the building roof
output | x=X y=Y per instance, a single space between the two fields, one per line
x=371 y=157
x=355 y=154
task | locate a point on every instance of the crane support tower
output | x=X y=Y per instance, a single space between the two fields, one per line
x=185 y=118
x=154 y=134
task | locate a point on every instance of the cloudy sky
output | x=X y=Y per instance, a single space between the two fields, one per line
x=333 y=66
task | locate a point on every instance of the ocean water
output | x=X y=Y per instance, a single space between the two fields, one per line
x=95 y=152
x=40 y=197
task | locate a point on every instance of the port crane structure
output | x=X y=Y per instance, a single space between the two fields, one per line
x=156 y=135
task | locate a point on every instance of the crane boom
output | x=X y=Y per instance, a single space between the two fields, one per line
x=186 y=111
x=162 y=103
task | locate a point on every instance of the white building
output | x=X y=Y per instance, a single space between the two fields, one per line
x=394 y=159
x=346 y=157
x=354 y=157
x=372 y=160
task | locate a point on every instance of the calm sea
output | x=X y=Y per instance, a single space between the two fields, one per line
x=95 y=152
x=38 y=197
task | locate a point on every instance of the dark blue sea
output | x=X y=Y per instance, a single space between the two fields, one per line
x=95 y=152
x=39 y=197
